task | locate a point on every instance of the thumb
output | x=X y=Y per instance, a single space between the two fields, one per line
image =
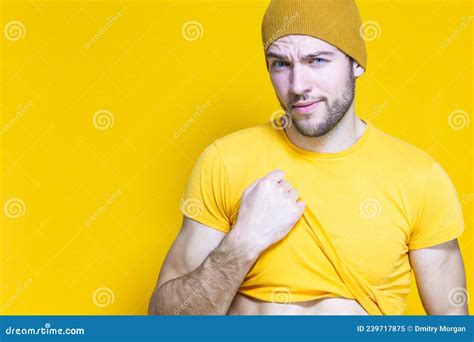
x=249 y=188
x=301 y=206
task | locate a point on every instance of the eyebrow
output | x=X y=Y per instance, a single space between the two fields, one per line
x=311 y=55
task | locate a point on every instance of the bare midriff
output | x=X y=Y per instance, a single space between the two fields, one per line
x=244 y=305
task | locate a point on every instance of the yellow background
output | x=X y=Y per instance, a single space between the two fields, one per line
x=100 y=207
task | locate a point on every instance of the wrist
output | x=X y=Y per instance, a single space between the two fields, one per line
x=248 y=249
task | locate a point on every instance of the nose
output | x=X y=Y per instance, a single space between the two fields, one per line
x=300 y=82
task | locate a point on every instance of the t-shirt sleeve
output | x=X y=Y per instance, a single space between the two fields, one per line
x=440 y=217
x=206 y=196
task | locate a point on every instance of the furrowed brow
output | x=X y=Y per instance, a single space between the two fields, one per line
x=305 y=57
x=317 y=54
x=275 y=55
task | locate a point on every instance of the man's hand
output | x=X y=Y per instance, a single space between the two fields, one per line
x=204 y=268
x=440 y=278
x=268 y=210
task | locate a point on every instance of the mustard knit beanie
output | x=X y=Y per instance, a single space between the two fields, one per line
x=337 y=22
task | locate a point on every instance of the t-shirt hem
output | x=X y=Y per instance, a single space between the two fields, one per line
x=209 y=222
x=294 y=298
x=434 y=242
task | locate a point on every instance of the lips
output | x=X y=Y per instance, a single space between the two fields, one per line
x=304 y=104
x=306 y=107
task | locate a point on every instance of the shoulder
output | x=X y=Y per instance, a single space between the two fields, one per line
x=401 y=161
x=246 y=144
x=239 y=139
x=246 y=137
x=403 y=149
x=400 y=153
x=243 y=151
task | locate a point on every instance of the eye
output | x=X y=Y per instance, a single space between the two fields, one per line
x=279 y=64
x=317 y=61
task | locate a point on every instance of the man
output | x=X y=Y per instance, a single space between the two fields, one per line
x=322 y=214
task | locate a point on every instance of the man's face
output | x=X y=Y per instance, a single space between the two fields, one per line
x=313 y=80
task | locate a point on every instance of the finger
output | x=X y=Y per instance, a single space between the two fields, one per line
x=286 y=186
x=275 y=175
x=301 y=206
x=249 y=188
x=294 y=194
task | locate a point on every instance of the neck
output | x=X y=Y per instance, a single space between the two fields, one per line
x=340 y=138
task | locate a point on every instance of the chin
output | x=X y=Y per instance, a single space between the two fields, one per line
x=310 y=120
x=310 y=126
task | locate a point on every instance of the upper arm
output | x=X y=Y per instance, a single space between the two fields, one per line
x=207 y=196
x=439 y=213
x=206 y=216
x=191 y=247
x=440 y=278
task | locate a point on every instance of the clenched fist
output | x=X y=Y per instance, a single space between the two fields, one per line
x=268 y=210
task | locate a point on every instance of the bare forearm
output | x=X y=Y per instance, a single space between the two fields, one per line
x=210 y=289
x=452 y=302
x=441 y=279
x=452 y=312
x=448 y=310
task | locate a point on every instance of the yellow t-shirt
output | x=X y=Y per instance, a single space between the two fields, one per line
x=366 y=207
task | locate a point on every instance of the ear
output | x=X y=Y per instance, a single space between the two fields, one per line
x=357 y=70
